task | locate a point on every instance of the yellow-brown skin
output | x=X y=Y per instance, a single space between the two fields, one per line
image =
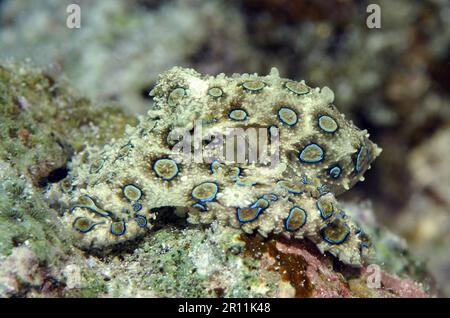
x=155 y=136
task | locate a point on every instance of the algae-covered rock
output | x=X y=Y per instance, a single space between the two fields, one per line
x=180 y=261
x=43 y=123
x=29 y=234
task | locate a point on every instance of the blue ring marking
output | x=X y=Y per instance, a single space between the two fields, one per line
x=230 y=114
x=367 y=158
x=136 y=188
x=335 y=172
x=209 y=198
x=270 y=197
x=124 y=228
x=342 y=215
x=137 y=207
x=93 y=208
x=255 y=204
x=322 y=213
x=202 y=207
x=90 y=228
x=238 y=214
x=363 y=245
x=284 y=121
x=210 y=93
x=94 y=169
x=141 y=220
x=286 y=222
x=359 y=231
x=323 y=189
x=296 y=90
x=172 y=99
x=288 y=189
x=161 y=176
x=328 y=240
x=305 y=180
x=213 y=164
x=321 y=126
x=313 y=145
x=358 y=159
x=245 y=184
x=236 y=176
x=247 y=85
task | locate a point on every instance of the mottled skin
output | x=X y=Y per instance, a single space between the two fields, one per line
x=182 y=97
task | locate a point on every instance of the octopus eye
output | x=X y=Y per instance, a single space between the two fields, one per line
x=205 y=192
x=325 y=207
x=238 y=114
x=215 y=92
x=335 y=172
x=287 y=116
x=296 y=219
x=132 y=192
x=141 y=220
x=176 y=96
x=87 y=202
x=291 y=187
x=297 y=88
x=166 y=168
x=83 y=224
x=327 y=124
x=245 y=215
x=118 y=228
x=254 y=86
x=335 y=232
x=312 y=153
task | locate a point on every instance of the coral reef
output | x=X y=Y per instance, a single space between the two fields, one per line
x=220 y=261
x=117 y=188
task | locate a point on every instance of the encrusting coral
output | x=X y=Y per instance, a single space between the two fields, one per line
x=114 y=195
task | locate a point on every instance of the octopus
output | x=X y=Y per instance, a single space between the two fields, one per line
x=114 y=195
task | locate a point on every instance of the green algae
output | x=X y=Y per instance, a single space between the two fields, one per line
x=25 y=219
x=193 y=262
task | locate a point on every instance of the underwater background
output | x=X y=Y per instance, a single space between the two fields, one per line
x=62 y=89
